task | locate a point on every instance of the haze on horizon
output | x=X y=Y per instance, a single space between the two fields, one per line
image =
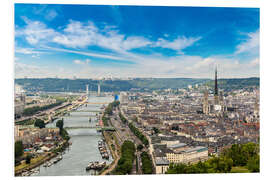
x=90 y=41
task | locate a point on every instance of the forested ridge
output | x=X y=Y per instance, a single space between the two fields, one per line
x=141 y=84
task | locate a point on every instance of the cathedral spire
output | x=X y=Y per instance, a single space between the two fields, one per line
x=216 y=85
x=216 y=88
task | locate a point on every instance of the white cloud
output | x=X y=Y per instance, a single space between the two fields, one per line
x=27 y=51
x=35 y=31
x=76 y=61
x=255 y=62
x=86 y=53
x=77 y=34
x=81 y=35
x=203 y=64
x=228 y=68
x=81 y=62
x=251 y=45
x=180 y=66
x=174 y=68
x=177 y=44
x=135 y=42
x=22 y=70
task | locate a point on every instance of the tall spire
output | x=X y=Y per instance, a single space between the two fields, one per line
x=216 y=85
x=216 y=88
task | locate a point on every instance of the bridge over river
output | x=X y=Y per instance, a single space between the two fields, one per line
x=94 y=111
x=98 y=128
x=81 y=115
x=108 y=102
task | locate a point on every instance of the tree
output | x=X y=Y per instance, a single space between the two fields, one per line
x=60 y=124
x=18 y=149
x=253 y=164
x=147 y=166
x=124 y=165
x=28 y=159
x=156 y=130
x=39 y=123
x=139 y=147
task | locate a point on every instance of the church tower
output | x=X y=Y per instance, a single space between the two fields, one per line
x=205 y=103
x=256 y=107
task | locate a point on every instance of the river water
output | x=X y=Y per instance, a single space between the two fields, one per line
x=84 y=146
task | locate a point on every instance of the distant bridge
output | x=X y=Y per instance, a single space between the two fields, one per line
x=81 y=115
x=94 y=111
x=98 y=102
x=98 y=128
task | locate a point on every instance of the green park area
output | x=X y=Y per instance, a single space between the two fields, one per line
x=240 y=158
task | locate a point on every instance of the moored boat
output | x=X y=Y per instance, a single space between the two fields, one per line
x=95 y=165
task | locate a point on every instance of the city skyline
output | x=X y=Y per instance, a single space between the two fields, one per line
x=89 y=41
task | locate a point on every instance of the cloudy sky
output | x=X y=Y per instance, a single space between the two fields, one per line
x=90 y=41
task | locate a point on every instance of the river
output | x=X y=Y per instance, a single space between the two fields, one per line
x=84 y=146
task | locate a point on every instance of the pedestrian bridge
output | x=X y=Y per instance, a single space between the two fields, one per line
x=98 y=128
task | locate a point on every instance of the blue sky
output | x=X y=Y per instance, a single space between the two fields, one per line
x=90 y=41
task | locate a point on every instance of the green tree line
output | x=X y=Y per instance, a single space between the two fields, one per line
x=105 y=120
x=110 y=107
x=138 y=133
x=147 y=166
x=63 y=133
x=125 y=162
x=109 y=111
x=123 y=119
x=32 y=110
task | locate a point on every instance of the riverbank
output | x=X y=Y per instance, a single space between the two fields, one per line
x=114 y=149
x=35 y=162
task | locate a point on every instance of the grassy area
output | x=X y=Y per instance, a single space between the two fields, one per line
x=33 y=161
x=239 y=169
x=26 y=122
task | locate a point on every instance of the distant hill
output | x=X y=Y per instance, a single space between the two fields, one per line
x=61 y=85
x=236 y=83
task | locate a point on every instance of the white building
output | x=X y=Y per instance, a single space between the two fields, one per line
x=189 y=155
x=162 y=165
